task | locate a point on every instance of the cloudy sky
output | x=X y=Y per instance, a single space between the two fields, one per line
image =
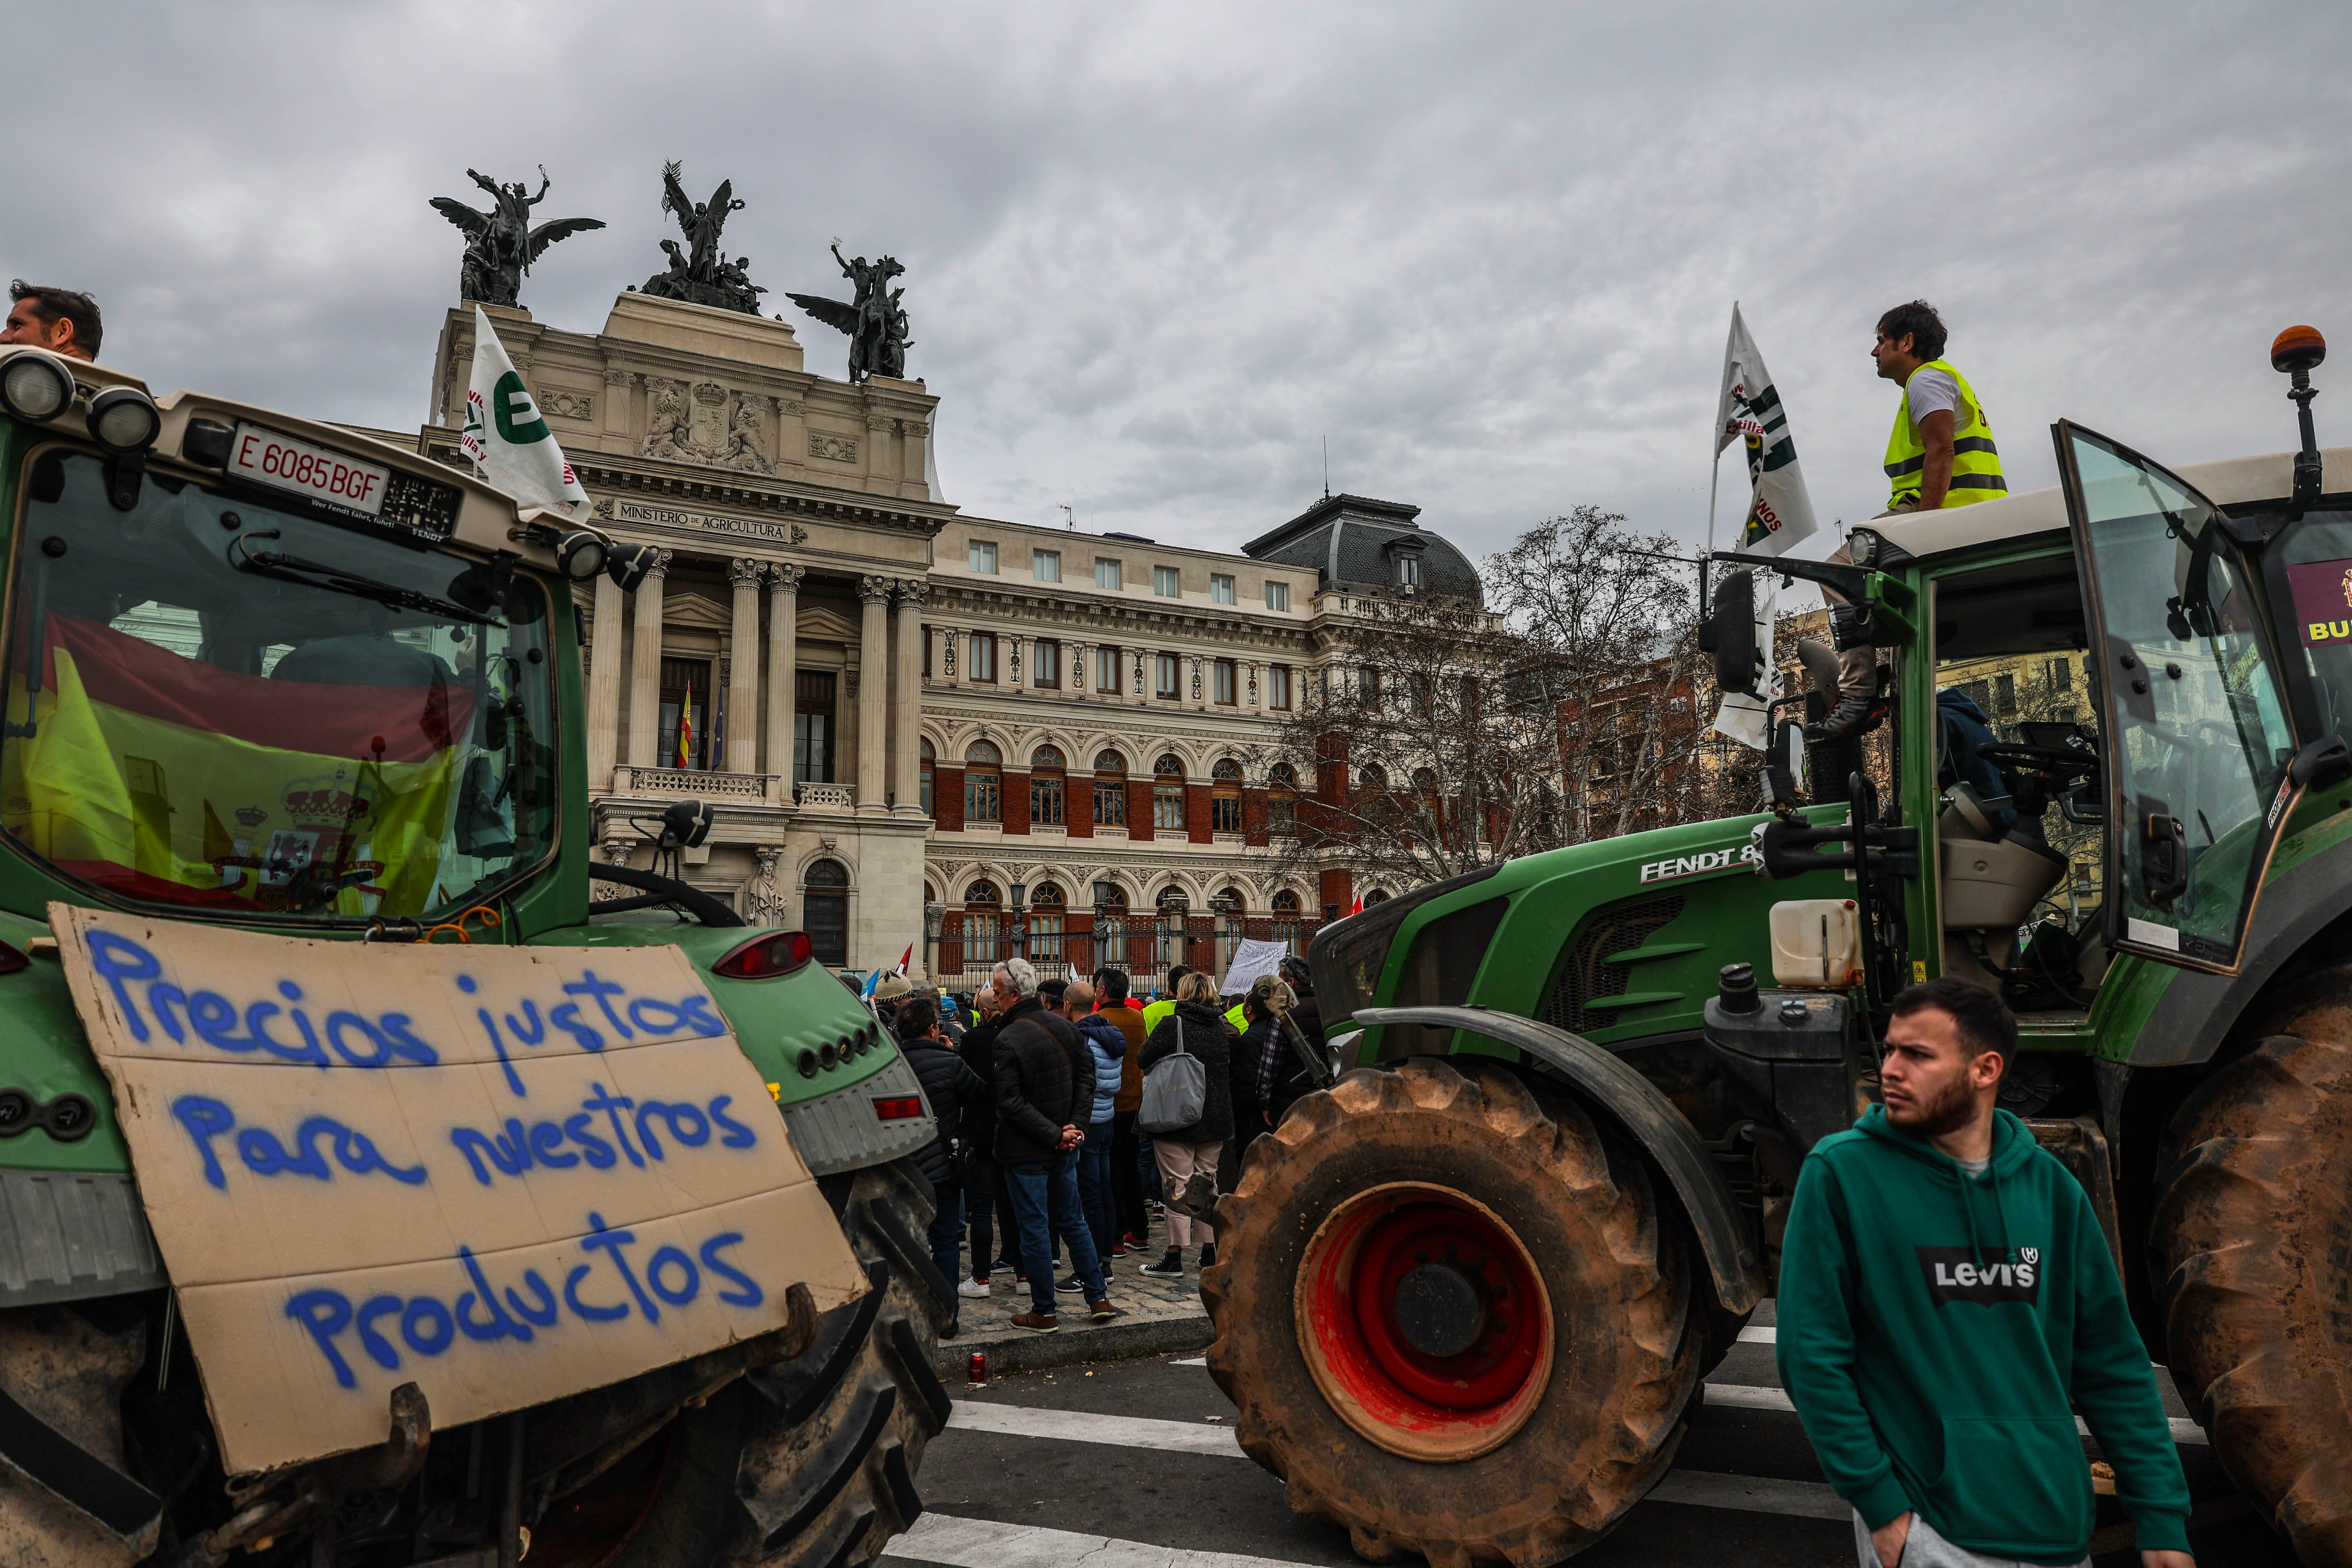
x=1156 y=254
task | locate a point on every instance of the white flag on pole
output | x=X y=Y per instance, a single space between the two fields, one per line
x=1749 y=410
x=506 y=435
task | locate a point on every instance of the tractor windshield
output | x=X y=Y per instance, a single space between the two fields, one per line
x=216 y=706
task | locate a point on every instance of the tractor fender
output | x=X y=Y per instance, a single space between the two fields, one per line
x=2197 y=1010
x=1635 y=1104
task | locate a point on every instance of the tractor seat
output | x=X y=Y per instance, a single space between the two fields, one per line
x=1992 y=880
x=363 y=659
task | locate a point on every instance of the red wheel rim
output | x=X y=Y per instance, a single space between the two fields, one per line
x=1424 y=1322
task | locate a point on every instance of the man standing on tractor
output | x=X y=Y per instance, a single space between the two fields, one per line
x=1940 y=454
x=1947 y=1299
x=59 y=319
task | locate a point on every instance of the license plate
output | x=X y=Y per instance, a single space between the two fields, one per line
x=265 y=457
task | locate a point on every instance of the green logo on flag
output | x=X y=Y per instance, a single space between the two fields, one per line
x=508 y=399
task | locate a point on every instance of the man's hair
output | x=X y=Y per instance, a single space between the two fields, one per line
x=1114 y=983
x=1020 y=975
x=51 y=304
x=1980 y=1018
x=918 y=1015
x=1079 y=994
x=1197 y=987
x=1919 y=321
x=1294 y=970
x=1176 y=972
x=1052 y=991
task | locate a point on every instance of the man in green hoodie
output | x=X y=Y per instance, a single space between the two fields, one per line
x=1947 y=1300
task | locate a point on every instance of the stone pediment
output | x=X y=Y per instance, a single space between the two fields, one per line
x=691 y=609
x=820 y=624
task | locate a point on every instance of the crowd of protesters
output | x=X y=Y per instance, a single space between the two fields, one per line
x=1037 y=1086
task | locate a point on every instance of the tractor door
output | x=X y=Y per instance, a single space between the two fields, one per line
x=2189 y=685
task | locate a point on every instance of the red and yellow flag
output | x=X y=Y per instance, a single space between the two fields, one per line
x=168 y=779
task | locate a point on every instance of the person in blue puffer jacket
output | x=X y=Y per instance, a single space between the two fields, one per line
x=1109 y=1044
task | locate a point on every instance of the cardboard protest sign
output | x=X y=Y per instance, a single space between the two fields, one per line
x=505 y=1174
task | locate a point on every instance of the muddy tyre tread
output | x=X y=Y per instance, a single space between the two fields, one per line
x=1616 y=1399
x=811 y=1464
x=2249 y=1241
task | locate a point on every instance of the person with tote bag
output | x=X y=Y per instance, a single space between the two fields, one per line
x=1186 y=1063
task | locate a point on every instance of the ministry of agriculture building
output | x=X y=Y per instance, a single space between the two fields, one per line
x=920 y=728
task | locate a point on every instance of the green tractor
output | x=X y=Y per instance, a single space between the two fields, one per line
x=262 y=673
x=1466 y=1292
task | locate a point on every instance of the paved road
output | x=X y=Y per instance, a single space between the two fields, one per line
x=1133 y=1464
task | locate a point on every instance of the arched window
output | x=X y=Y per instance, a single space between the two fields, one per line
x=1228 y=901
x=983 y=923
x=1047 y=786
x=1173 y=901
x=1048 y=920
x=1372 y=776
x=930 y=758
x=1285 y=903
x=1168 y=795
x=1109 y=895
x=983 y=782
x=1282 y=799
x=1110 y=790
x=825 y=912
x=1226 y=797
x=1377 y=895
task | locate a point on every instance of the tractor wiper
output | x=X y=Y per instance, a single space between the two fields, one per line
x=335 y=580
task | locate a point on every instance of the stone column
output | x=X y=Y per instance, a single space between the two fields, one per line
x=915 y=481
x=872 y=693
x=644 y=677
x=604 y=685
x=784 y=668
x=879 y=465
x=907 y=699
x=743 y=665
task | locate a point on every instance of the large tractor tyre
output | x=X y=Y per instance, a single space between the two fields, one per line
x=1450 y=1317
x=2252 y=1239
x=809 y=1464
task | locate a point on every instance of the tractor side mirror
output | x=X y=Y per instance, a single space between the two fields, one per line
x=1731 y=633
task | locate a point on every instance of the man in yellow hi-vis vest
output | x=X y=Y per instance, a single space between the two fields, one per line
x=1940 y=454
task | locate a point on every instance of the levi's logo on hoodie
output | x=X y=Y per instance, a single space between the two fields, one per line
x=1955 y=1275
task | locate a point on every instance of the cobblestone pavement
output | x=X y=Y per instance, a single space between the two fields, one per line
x=1157 y=1317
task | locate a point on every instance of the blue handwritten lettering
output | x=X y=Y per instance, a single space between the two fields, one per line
x=340 y=1024
x=325 y=1313
x=698 y=1011
x=670 y=1257
x=118 y=959
x=645 y=1005
x=747 y=1292
x=397 y=1030
x=593 y=1314
x=735 y=1134
x=566 y=1017
x=379 y=1349
x=514 y=1079
x=547 y=1146
x=530 y=1028
x=600 y=1239
x=426 y=1327
x=213 y=1018
x=604 y=991
x=595 y=1149
x=205 y=1119
x=612 y=1105
x=509 y=1161
x=545 y=1315
x=671 y=1113
x=498 y=1326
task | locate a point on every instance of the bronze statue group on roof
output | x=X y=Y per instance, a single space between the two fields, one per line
x=503 y=243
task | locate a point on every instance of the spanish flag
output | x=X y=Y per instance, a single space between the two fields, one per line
x=171 y=780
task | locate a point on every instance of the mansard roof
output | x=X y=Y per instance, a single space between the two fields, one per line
x=1353 y=541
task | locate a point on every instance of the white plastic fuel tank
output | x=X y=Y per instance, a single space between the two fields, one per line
x=1816 y=944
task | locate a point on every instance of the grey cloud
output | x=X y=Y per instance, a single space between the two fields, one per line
x=1155 y=256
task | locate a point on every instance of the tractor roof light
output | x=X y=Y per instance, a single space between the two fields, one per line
x=580 y=555
x=35 y=385
x=122 y=419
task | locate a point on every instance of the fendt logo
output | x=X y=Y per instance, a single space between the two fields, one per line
x=1704 y=863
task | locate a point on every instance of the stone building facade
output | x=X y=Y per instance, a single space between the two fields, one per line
x=920 y=728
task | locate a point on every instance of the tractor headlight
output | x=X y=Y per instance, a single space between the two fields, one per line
x=579 y=556
x=35 y=386
x=1862 y=547
x=122 y=419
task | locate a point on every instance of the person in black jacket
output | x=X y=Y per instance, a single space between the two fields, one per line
x=1045 y=1092
x=983 y=1185
x=953 y=1090
x=1201 y=1028
x=1259 y=1066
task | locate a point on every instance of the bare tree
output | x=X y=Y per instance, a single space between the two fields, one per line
x=1443 y=734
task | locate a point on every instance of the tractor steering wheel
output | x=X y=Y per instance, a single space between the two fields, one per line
x=2062 y=768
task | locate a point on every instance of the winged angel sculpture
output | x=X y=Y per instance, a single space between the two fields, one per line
x=876 y=324
x=701 y=273
x=501 y=244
